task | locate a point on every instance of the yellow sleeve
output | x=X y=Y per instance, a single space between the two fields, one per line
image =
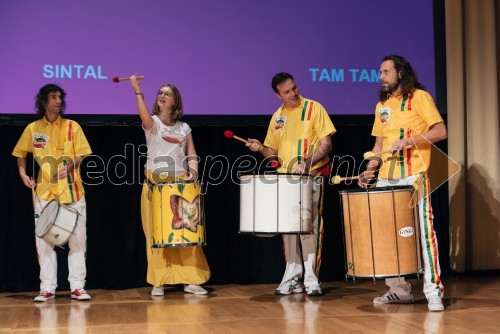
x=323 y=123
x=428 y=112
x=271 y=136
x=24 y=144
x=377 y=124
x=80 y=143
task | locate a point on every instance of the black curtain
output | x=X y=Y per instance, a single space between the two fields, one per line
x=116 y=254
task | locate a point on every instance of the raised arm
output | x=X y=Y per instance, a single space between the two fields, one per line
x=142 y=109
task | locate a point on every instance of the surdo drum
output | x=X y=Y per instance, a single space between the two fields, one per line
x=56 y=223
x=381 y=232
x=276 y=203
x=177 y=215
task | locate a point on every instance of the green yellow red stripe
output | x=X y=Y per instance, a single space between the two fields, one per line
x=401 y=153
x=305 y=148
x=299 y=151
x=431 y=248
x=403 y=104
x=319 y=241
x=310 y=111
x=408 y=155
x=304 y=109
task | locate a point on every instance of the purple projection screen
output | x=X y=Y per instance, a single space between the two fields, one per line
x=220 y=54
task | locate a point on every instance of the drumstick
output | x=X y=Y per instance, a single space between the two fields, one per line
x=337 y=179
x=230 y=134
x=370 y=154
x=275 y=164
x=33 y=195
x=118 y=79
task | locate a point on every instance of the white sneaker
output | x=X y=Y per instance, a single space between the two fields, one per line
x=393 y=298
x=43 y=296
x=290 y=286
x=314 y=290
x=195 y=289
x=435 y=303
x=158 y=291
x=80 y=294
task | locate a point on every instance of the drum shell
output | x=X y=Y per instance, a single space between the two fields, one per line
x=272 y=204
x=381 y=232
x=56 y=223
x=177 y=203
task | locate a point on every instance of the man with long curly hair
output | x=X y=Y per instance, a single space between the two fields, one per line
x=406 y=123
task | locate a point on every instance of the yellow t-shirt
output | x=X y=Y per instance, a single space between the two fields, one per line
x=296 y=133
x=398 y=118
x=53 y=145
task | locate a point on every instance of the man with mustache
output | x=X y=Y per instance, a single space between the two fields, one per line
x=406 y=115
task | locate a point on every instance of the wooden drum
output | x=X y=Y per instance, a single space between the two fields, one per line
x=381 y=232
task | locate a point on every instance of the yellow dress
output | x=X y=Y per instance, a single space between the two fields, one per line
x=176 y=265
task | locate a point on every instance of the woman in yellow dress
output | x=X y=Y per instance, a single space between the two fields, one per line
x=171 y=158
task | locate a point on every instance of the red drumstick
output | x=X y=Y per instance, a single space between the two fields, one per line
x=230 y=134
x=117 y=79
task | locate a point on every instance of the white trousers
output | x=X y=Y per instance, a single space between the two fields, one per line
x=307 y=262
x=77 y=243
x=428 y=239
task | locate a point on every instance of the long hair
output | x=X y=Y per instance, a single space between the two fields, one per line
x=278 y=79
x=177 y=110
x=409 y=79
x=41 y=98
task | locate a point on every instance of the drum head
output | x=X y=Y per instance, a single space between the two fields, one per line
x=47 y=218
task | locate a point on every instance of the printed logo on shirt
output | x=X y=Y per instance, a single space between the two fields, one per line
x=172 y=137
x=40 y=140
x=385 y=114
x=280 y=123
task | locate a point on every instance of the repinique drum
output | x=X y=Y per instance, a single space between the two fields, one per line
x=276 y=203
x=177 y=215
x=381 y=232
x=56 y=223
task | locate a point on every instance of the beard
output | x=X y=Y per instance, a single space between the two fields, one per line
x=390 y=88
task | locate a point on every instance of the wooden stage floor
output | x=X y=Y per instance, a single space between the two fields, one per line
x=472 y=306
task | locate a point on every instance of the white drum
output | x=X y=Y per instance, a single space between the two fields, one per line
x=272 y=204
x=56 y=223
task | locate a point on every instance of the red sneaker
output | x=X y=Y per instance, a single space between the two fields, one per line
x=43 y=296
x=80 y=294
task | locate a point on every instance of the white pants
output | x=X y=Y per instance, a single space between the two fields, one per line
x=77 y=248
x=430 y=253
x=307 y=263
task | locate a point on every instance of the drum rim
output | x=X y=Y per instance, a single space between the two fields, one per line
x=379 y=276
x=272 y=175
x=376 y=190
x=172 y=182
x=185 y=244
x=274 y=232
x=49 y=225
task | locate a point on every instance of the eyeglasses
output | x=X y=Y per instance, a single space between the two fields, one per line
x=160 y=93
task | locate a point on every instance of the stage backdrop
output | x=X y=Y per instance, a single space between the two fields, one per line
x=221 y=54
